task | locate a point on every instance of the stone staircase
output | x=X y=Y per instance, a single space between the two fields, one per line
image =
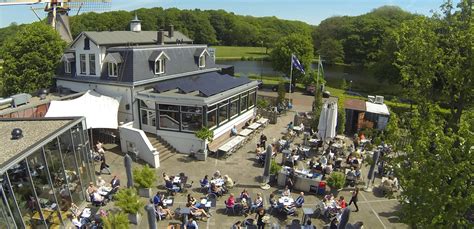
x=164 y=148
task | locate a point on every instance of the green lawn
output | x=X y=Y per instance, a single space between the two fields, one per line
x=236 y=52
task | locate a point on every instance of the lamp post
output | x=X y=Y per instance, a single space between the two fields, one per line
x=350 y=85
x=261 y=64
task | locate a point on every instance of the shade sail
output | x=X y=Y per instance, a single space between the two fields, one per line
x=100 y=111
x=328 y=120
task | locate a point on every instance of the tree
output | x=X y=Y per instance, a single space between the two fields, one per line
x=332 y=51
x=341 y=118
x=30 y=58
x=300 y=46
x=435 y=172
x=281 y=93
x=435 y=59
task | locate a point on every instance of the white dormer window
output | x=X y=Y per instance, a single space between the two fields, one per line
x=112 y=69
x=67 y=67
x=160 y=65
x=202 y=61
x=158 y=59
x=113 y=60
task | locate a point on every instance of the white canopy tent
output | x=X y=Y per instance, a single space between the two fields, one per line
x=100 y=111
x=328 y=120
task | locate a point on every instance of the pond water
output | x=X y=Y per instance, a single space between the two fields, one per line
x=362 y=80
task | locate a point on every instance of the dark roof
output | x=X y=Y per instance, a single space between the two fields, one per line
x=129 y=37
x=208 y=84
x=156 y=54
x=200 y=51
x=354 y=104
x=68 y=57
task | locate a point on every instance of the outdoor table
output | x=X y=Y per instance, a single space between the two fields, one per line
x=232 y=144
x=263 y=121
x=218 y=181
x=286 y=201
x=103 y=191
x=297 y=128
x=168 y=202
x=245 y=132
x=307 y=212
x=176 y=180
x=254 y=126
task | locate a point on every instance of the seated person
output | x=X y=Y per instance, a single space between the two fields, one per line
x=286 y=191
x=328 y=169
x=299 y=201
x=166 y=213
x=350 y=176
x=216 y=190
x=319 y=168
x=323 y=160
x=311 y=163
x=259 y=150
x=91 y=189
x=217 y=174
x=197 y=211
x=170 y=186
x=228 y=182
x=290 y=126
x=115 y=183
x=230 y=202
x=233 y=131
x=101 y=182
x=247 y=124
x=341 y=202
x=357 y=173
x=166 y=177
x=96 y=197
x=205 y=181
x=273 y=201
x=257 y=203
x=158 y=199
x=244 y=194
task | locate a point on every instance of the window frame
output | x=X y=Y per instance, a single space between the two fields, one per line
x=161 y=66
x=67 y=67
x=112 y=69
x=202 y=61
x=83 y=64
x=92 y=64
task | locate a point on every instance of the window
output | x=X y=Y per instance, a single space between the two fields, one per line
x=67 y=67
x=243 y=102
x=223 y=112
x=160 y=65
x=234 y=107
x=252 y=96
x=202 y=61
x=169 y=117
x=191 y=118
x=82 y=58
x=92 y=64
x=113 y=70
x=212 y=116
x=87 y=44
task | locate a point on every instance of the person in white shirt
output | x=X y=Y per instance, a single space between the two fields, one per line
x=101 y=182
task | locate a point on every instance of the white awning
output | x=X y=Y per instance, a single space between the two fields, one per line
x=100 y=111
x=377 y=108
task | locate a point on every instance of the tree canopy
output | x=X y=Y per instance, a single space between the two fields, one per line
x=294 y=44
x=30 y=58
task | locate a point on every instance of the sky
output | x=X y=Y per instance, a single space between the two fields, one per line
x=310 y=11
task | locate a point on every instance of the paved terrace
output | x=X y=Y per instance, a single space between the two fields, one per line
x=375 y=211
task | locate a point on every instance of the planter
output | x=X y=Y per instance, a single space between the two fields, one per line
x=201 y=156
x=273 y=178
x=145 y=192
x=134 y=218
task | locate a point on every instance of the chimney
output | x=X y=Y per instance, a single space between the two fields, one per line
x=160 y=39
x=170 y=31
x=135 y=25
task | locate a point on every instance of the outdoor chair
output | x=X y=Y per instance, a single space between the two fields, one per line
x=204 y=187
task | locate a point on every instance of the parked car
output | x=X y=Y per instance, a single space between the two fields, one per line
x=310 y=89
x=260 y=84
x=287 y=88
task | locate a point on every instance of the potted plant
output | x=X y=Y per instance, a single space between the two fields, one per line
x=144 y=178
x=274 y=169
x=115 y=220
x=206 y=137
x=336 y=181
x=129 y=201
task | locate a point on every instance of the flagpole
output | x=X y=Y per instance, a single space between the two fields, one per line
x=317 y=77
x=291 y=76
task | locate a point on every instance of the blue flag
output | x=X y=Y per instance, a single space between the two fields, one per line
x=296 y=64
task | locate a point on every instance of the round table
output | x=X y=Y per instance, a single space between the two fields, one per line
x=285 y=200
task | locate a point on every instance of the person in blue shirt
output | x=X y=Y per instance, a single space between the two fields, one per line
x=233 y=131
x=169 y=185
x=158 y=199
x=191 y=224
x=300 y=200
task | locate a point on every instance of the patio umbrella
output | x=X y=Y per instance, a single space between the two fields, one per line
x=331 y=120
x=150 y=209
x=268 y=158
x=344 y=218
x=370 y=175
x=128 y=170
x=322 y=122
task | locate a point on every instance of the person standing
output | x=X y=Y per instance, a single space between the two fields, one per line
x=263 y=141
x=259 y=216
x=355 y=193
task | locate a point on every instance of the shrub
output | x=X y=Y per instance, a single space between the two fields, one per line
x=274 y=167
x=116 y=221
x=129 y=201
x=262 y=103
x=336 y=180
x=144 y=177
x=205 y=134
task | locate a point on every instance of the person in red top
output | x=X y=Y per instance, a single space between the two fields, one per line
x=230 y=201
x=342 y=202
